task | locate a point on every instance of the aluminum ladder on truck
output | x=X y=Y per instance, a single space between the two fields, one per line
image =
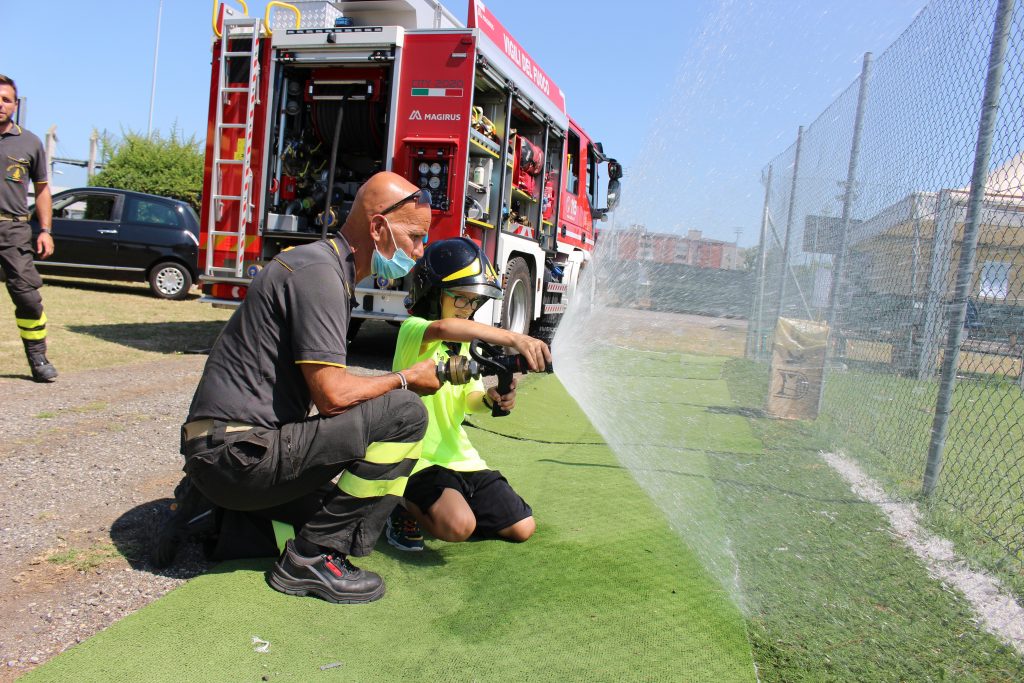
x=234 y=29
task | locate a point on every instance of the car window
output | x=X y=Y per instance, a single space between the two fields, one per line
x=149 y=212
x=87 y=207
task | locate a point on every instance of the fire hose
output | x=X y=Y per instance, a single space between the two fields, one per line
x=486 y=360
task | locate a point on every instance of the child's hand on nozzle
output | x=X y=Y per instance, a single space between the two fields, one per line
x=507 y=401
x=536 y=352
x=422 y=377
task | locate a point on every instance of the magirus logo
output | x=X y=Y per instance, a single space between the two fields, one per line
x=416 y=115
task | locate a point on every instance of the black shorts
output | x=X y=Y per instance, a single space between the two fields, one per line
x=493 y=501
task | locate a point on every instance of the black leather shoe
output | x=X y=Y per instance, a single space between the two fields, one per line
x=192 y=514
x=330 y=577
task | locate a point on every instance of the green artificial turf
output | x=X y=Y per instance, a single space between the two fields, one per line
x=605 y=591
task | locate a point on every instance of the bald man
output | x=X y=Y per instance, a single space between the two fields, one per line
x=250 y=442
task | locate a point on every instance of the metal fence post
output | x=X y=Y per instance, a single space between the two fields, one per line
x=848 y=195
x=965 y=269
x=756 y=320
x=915 y=264
x=789 y=228
x=943 y=229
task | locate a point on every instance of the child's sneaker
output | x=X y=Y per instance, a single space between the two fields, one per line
x=403 y=531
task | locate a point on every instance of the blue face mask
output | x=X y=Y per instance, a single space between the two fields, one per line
x=398 y=266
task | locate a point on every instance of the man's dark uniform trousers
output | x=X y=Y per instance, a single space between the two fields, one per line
x=250 y=443
x=24 y=161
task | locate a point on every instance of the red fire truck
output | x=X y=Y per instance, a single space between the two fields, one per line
x=312 y=99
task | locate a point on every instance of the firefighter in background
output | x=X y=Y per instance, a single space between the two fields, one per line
x=250 y=442
x=24 y=160
x=451 y=492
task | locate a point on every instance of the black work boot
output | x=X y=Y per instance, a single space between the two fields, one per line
x=331 y=577
x=42 y=369
x=192 y=514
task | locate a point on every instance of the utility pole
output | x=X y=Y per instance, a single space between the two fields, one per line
x=156 y=54
x=51 y=150
x=93 y=145
x=21 y=113
x=736 y=251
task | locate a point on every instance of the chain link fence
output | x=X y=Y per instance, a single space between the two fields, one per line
x=897 y=217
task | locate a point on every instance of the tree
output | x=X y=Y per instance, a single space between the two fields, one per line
x=167 y=166
x=748 y=257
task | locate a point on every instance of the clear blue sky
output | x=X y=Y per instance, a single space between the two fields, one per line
x=724 y=82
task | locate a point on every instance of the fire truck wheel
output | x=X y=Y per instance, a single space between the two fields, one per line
x=517 y=306
x=544 y=327
x=170 y=280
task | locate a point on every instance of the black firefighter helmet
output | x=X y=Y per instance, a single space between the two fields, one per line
x=456 y=264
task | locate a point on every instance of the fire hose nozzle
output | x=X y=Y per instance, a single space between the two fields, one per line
x=458 y=370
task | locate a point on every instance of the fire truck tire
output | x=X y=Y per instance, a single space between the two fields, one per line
x=544 y=327
x=170 y=280
x=517 y=304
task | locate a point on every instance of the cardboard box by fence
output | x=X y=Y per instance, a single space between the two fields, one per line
x=798 y=362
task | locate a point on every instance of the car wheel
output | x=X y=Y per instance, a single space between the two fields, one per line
x=517 y=304
x=170 y=280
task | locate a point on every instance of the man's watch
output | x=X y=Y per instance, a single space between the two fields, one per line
x=46 y=230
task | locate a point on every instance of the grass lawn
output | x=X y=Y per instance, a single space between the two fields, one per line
x=94 y=324
x=885 y=422
x=833 y=594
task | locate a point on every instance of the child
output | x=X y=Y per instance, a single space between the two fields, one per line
x=451 y=493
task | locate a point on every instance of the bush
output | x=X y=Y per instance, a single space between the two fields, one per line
x=169 y=166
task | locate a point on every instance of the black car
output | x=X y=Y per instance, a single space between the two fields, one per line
x=111 y=234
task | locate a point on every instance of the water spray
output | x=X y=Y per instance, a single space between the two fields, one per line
x=487 y=360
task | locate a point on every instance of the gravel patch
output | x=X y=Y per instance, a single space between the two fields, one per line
x=87 y=467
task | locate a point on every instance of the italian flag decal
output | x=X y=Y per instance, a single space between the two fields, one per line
x=437 y=92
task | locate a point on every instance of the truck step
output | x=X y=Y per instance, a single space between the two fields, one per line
x=554 y=309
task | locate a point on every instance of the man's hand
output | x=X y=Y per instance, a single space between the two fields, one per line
x=536 y=352
x=44 y=245
x=507 y=401
x=422 y=377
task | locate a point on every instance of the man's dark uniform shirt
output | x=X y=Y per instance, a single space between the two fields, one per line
x=24 y=161
x=296 y=311
x=281 y=462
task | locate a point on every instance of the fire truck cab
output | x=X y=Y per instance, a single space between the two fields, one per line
x=310 y=101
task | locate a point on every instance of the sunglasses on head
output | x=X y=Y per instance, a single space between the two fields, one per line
x=422 y=198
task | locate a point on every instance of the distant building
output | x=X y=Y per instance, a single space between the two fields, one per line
x=893 y=252
x=693 y=249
